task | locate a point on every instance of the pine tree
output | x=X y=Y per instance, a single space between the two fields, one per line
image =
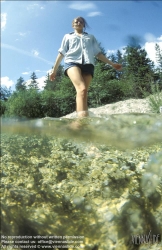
x=138 y=64
x=20 y=85
x=33 y=84
x=119 y=57
x=138 y=69
x=158 y=55
x=158 y=71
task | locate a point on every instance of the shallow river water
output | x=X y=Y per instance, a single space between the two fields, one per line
x=123 y=131
x=89 y=184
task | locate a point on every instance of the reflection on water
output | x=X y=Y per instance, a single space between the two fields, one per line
x=100 y=178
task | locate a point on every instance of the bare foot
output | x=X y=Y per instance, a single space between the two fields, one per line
x=82 y=114
x=76 y=125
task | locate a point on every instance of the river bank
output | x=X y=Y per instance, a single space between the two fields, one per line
x=121 y=107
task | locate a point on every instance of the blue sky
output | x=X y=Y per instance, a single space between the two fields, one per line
x=32 y=31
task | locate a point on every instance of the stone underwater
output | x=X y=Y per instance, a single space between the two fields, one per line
x=100 y=188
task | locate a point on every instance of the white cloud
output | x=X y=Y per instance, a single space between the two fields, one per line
x=3 y=21
x=35 y=52
x=86 y=6
x=94 y=13
x=5 y=81
x=28 y=82
x=110 y=52
x=41 y=83
x=82 y=6
x=151 y=52
x=149 y=37
x=149 y=46
x=26 y=73
x=49 y=71
x=159 y=38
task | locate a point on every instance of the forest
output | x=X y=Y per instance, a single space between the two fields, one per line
x=139 y=78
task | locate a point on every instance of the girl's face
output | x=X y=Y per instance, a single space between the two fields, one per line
x=78 y=24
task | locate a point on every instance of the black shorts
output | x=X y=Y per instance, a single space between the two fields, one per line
x=85 y=68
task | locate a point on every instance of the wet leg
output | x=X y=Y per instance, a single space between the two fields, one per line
x=81 y=83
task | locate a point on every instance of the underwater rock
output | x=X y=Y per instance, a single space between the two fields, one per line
x=54 y=186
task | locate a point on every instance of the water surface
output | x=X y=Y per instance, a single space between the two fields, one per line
x=123 y=131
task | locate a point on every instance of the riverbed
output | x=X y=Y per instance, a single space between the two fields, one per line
x=98 y=178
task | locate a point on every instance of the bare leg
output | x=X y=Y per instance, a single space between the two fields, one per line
x=81 y=83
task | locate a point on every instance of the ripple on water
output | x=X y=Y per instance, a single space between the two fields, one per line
x=121 y=130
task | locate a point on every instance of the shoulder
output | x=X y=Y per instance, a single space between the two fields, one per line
x=89 y=35
x=67 y=36
x=93 y=38
x=70 y=35
x=73 y=33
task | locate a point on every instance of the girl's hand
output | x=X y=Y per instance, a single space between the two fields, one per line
x=52 y=76
x=117 y=66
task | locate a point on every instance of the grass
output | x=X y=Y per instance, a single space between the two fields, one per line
x=155 y=100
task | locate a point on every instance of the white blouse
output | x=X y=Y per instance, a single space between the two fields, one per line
x=79 y=49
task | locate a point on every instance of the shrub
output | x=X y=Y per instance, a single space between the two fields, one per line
x=56 y=104
x=155 y=100
x=24 y=104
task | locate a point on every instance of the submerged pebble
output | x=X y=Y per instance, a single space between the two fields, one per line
x=104 y=183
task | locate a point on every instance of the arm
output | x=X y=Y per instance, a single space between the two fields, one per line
x=102 y=58
x=56 y=65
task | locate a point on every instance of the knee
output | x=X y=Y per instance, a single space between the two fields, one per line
x=82 y=91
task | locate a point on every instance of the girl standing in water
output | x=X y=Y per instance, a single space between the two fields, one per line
x=79 y=50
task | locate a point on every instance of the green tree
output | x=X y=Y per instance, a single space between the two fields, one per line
x=158 y=55
x=20 y=84
x=139 y=68
x=158 y=71
x=119 y=57
x=99 y=91
x=24 y=104
x=5 y=93
x=33 y=84
x=61 y=100
x=2 y=107
x=105 y=87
